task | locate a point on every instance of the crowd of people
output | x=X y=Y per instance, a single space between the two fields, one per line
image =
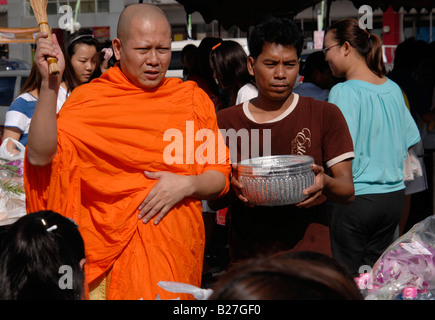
x=127 y=171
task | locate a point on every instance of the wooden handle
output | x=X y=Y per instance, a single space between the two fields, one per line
x=52 y=62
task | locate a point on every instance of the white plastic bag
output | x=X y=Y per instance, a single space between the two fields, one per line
x=178 y=287
x=412 y=167
x=407 y=263
x=12 y=207
x=6 y=155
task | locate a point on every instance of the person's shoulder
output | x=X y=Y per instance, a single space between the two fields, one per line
x=82 y=91
x=230 y=110
x=304 y=86
x=392 y=84
x=246 y=92
x=175 y=84
x=230 y=116
x=26 y=97
x=190 y=91
x=24 y=100
x=188 y=84
x=346 y=90
x=345 y=85
x=174 y=81
x=248 y=87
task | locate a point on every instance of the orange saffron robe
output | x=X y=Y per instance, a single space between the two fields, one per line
x=109 y=133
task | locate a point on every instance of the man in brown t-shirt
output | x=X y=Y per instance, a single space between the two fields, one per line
x=279 y=122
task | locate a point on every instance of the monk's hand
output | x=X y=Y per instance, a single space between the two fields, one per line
x=170 y=189
x=44 y=49
x=314 y=191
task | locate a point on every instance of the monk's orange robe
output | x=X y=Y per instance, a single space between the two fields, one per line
x=109 y=133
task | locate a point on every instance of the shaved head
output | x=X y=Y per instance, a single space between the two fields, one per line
x=142 y=11
x=143 y=45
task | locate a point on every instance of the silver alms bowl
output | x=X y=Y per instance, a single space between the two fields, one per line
x=275 y=180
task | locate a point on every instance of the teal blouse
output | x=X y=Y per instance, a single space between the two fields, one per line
x=382 y=130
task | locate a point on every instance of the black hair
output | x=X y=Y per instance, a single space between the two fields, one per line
x=33 y=250
x=189 y=50
x=100 y=59
x=229 y=62
x=201 y=69
x=188 y=58
x=33 y=80
x=315 y=61
x=202 y=63
x=287 y=276
x=275 y=30
x=69 y=75
x=85 y=37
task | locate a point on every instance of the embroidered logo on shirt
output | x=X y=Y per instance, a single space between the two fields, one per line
x=301 y=142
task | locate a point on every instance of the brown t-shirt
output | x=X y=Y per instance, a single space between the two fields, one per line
x=307 y=127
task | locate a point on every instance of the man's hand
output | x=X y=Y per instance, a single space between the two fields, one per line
x=237 y=186
x=170 y=189
x=314 y=191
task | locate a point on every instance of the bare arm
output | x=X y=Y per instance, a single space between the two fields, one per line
x=173 y=188
x=42 y=138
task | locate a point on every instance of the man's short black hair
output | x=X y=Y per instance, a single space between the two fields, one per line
x=281 y=31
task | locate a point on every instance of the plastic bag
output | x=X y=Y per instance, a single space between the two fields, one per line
x=178 y=287
x=412 y=167
x=12 y=197
x=408 y=265
x=6 y=155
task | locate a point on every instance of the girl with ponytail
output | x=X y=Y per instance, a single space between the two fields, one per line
x=366 y=48
x=382 y=130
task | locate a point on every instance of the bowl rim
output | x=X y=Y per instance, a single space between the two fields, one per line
x=248 y=166
x=306 y=158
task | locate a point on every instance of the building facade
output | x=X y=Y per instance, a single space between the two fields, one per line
x=101 y=16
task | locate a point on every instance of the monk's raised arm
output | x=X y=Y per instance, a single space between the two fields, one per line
x=42 y=138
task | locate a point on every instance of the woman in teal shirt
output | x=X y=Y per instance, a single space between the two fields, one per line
x=382 y=130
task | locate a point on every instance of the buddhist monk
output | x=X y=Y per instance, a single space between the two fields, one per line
x=129 y=158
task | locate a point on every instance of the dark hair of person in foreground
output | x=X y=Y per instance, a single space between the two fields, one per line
x=288 y=276
x=32 y=253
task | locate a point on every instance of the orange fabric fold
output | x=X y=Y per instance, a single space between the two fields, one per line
x=109 y=133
